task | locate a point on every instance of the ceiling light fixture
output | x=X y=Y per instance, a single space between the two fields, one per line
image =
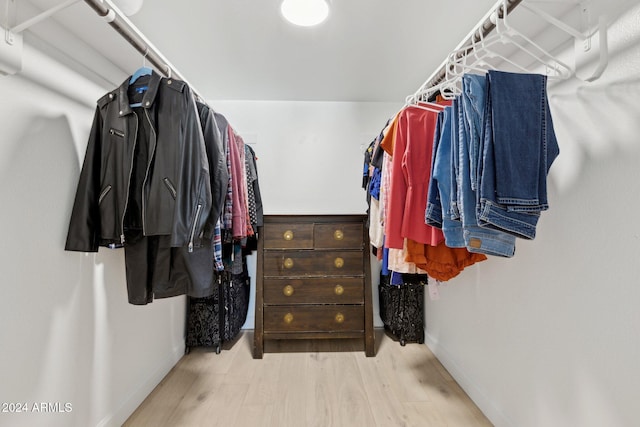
x=129 y=7
x=305 y=13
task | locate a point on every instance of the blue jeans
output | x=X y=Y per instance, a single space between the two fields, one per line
x=518 y=147
x=455 y=161
x=438 y=212
x=469 y=122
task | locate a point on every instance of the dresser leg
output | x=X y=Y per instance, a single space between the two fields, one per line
x=369 y=345
x=258 y=349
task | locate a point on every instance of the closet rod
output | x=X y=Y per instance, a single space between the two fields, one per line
x=483 y=29
x=134 y=36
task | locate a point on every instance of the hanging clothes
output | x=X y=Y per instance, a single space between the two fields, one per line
x=174 y=195
x=441 y=262
x=154 y=181
x=440 y=212
x=374 y=163
x=519 y=146
x=190 y=273
x=214 y=146
x=411 y=153
x=240 y=226
x=256 y=211
x=397 y=261
x=490 y=152
x=477 y=239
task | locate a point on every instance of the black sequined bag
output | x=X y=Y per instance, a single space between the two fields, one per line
x=402 y=307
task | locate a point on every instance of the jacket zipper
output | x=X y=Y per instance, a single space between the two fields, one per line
x=193 y=228
x=126 y=200
x=172 y=190
x=104 y=193
x=116 y=132
x=146 y=172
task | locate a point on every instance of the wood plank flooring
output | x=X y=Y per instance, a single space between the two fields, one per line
x=328 y=383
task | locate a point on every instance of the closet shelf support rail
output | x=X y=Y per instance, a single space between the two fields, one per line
x=17 y=29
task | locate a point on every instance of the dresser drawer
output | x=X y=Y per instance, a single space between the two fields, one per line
x=319 y=318
x=313 y=263
x=329 y=290
x=337 y=236
x=288 y=236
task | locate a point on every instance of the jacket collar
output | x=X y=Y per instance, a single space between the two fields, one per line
x=147 y=99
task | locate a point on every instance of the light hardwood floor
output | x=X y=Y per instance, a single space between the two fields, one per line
x=312 y=384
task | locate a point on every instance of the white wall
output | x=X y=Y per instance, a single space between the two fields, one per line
x=310 y=157
x=68 y=334
x=310 y=154
x=551 y=337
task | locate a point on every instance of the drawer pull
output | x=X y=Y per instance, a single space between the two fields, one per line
x=287 y=290
x=338 y=262
x=288 y=235
x=338 y=235
x=288 y=318
x=339 y=318
x=288 y=263
x=339 y=290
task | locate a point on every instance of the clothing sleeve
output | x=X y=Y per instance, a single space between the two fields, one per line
x=388 y=140
x=239 y=219
x=256 y=188
x=84 y=225
x=433 y=214
x=398 y=188
x=217 y=163
x=194 y=194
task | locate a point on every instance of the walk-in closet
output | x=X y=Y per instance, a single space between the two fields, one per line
x=298 y=213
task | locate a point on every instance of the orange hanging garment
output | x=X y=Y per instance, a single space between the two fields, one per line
x=441 y=262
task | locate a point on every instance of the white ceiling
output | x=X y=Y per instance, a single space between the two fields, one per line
x=367 y=50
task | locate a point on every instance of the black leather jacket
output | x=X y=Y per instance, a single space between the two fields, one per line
x=174 y=182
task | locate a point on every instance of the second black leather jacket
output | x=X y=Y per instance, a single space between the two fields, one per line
x=175 y=197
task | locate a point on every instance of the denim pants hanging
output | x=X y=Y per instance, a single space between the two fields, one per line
x=518 y=148
x=477 y=239
x=438 y=213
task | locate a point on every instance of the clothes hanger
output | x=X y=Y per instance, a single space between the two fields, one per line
x=423 y=104
x=142 y=71
x=551 y=63
x=484 y=53
x=449 y=88
x=459 y=61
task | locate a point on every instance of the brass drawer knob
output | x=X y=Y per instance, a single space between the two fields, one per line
x=287 y=290
x=339 y=318
x=338 y=262
x=288 y=318
x=288 y=263
x=339 y=290
x=288 y=235
x=338 y=235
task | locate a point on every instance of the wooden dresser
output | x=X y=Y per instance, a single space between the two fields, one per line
x=313 y=280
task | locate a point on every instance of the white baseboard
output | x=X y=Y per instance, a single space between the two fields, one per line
x=131 y=402
x=497 y=418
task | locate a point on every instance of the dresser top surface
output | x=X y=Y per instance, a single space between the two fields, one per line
x=313 y=218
